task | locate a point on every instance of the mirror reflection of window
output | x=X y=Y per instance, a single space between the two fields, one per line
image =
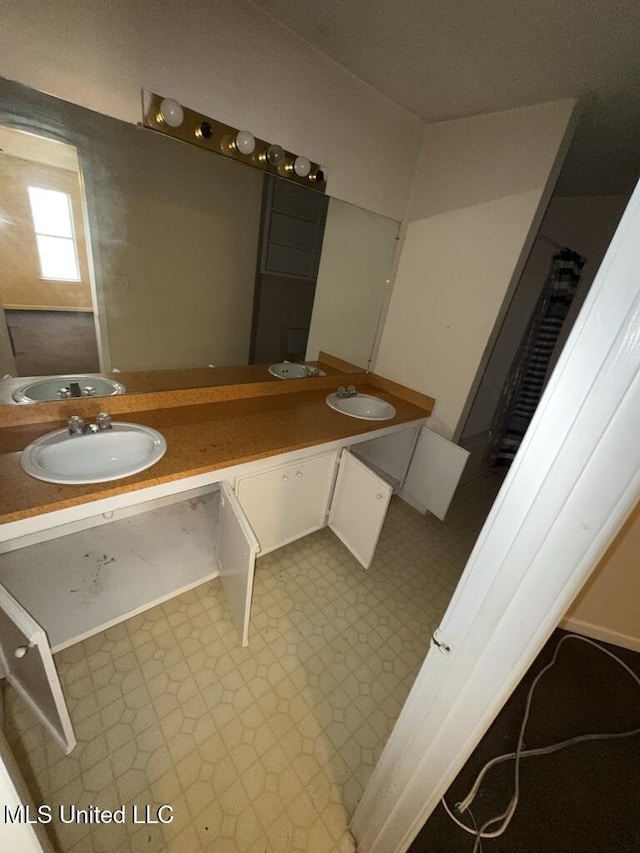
x=55 y=236
x=46 y=290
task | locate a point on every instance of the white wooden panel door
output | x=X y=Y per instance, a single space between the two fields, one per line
x=358 y=508
x=238 y=547
x=434 y=473
x=288 y=502
x=26 y=662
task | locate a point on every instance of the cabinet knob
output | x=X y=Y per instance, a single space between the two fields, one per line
x=379 y=496
x=285 y=478
x=21 y=651
x=299 y=474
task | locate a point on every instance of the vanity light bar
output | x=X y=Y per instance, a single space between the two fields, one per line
x=171 y=118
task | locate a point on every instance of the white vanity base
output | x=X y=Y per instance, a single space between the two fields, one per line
x=113 y=571
x=72 y=573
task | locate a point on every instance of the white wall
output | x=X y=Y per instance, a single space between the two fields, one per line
x=476 y=201
x=583 y=223
x=228 y=60
x=607 y=606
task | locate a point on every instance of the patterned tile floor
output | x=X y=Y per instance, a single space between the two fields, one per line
x=265 y=749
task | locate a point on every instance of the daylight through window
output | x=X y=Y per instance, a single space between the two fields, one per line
x=55 y=236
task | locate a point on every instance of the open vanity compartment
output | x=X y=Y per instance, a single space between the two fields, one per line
x=107 y=568
x=110 y=567
x=389 y=455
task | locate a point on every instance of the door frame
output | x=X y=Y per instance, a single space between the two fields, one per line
x=570 y=489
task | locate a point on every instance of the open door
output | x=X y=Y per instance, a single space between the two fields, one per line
x=26 y=662
x=358 y=507
x=237 y=554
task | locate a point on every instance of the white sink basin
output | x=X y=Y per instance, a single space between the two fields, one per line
x=293 y=370
x=363 y=406
x=121 y=451
x=59 y=388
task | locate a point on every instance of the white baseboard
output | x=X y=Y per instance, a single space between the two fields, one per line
x=599 y=632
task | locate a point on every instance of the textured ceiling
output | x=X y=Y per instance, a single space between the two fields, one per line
x=443 y=59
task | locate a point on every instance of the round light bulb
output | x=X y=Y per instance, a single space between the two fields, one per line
x=301 y=166
x=245 y=142
x=275 y=155
x=170 y=112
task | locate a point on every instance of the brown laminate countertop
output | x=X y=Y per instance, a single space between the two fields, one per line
x=144 y=381
x=200 y=439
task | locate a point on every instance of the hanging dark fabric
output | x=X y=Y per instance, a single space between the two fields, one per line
x=528 y=374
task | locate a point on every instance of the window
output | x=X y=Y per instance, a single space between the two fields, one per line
x=53 y=224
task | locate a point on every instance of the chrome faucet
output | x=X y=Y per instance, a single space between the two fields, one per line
x=77 y=425
x=310 y=371
x=103 y=422
x=350 y=391
x=74 y=390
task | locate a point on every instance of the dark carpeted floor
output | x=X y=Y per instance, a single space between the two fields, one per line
x=583 y=799
x=52 y=342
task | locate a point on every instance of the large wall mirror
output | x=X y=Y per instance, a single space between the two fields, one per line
x=122 y=249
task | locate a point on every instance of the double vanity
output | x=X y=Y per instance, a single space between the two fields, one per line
x=247 y=469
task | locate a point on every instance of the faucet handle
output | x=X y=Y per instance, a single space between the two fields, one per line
x=103 y=421
x=76 y=425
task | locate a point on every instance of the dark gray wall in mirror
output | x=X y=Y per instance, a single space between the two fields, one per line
x=174 y=234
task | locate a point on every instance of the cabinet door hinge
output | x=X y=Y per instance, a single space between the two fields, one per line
x=439 y=643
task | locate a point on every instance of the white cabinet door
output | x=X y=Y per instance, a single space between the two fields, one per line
x=358 y=508
x=288 y=502
x=26 y=662
x=434 y=473
x=237 y=555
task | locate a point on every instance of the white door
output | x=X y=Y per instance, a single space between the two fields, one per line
x=237 y=554
x=573 y=483
x=26 y=662
x=358 y=507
